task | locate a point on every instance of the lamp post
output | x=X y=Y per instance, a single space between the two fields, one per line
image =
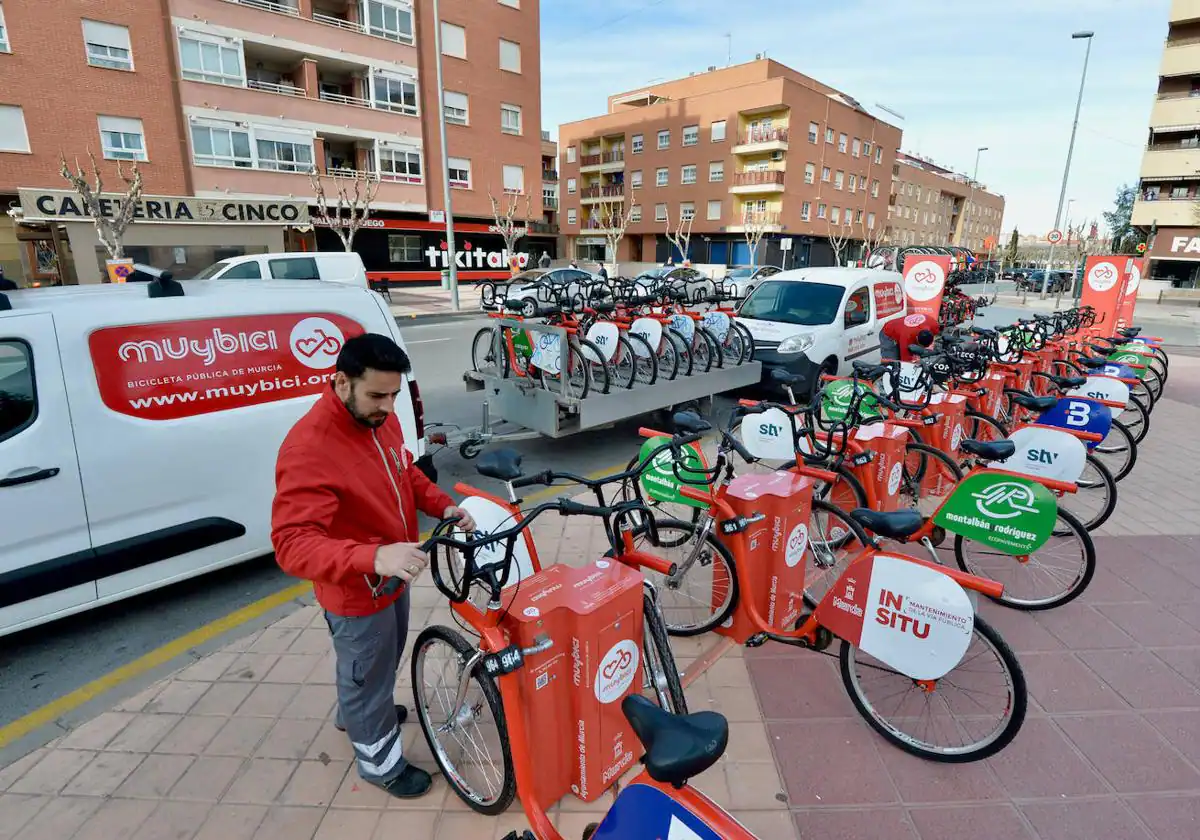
x=1062 y=194
x=441 y=106
x=971 y=196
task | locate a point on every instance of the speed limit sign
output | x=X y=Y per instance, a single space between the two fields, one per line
x=1054 y=237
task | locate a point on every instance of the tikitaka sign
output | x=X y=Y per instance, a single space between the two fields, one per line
x=66 y=206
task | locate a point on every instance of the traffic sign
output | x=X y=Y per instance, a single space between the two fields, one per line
x=1054 y=237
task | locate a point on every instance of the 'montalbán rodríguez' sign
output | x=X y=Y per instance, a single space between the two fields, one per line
x=66 y=206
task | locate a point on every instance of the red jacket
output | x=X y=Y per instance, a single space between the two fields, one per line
x=904 y=331
x=341 y=491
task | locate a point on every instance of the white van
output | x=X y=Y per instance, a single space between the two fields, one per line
x=331 y=266
x=811 y=321
x=138 y=433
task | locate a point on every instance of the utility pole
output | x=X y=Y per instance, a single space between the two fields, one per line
x=728 y=48
x=450 y=253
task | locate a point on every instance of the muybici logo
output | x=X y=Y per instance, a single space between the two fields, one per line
x=925 y=281
x=1103 y=276
x=1005 y=500
x=616 y=671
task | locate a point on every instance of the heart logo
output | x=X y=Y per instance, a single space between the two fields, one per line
x=1103 y=272
x=316 y=342
x=924 y=276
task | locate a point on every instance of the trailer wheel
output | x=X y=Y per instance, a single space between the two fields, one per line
x=470 y=449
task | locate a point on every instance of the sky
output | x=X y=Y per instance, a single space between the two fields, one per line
x=963 y=73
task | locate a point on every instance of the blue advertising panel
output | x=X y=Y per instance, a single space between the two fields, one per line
x=642 y=812
x=1076 y=414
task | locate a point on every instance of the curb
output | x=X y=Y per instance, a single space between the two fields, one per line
x=433 y=317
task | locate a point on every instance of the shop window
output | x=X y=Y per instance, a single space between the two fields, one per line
x=18 y=396
x=294 y=268
x=403 y=248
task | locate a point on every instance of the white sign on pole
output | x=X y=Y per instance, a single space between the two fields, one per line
x=785 y=244
x=438 y=217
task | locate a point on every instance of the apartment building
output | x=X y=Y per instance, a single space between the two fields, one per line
x=1168 y=201
x=755 y=145
x=228 y=105
x=933 y=205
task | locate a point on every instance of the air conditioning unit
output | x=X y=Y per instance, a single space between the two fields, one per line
x=776 y=155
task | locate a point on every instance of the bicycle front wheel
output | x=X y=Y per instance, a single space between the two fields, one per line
x=969 y=714
x=1118 y=451
x=1095 y=497
x=704 y=591
x=658 y=661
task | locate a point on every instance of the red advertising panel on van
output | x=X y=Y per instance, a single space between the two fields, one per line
x=176 y=369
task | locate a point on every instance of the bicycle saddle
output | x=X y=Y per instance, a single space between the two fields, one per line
x=641 y=300
x=894 y=524
x=868 y=371
x=549 y=309
x=1066 y=381
x=514 y=305
x=983 y=331
x=604 y=307
x=781 y=377
x=1034 y=403
x=502 y=464
x=1092 y=361
x=690 y=423
x=923 y=352
x=678 y=747
x=1130 y=332
x=988 y=450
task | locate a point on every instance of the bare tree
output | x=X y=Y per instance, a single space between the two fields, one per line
x=682 y=237
x=754 y=228
x=614 y=218
x=511 y=226
x=110 y=230
x=873 y=235
x=353 y=206
x=839 y=238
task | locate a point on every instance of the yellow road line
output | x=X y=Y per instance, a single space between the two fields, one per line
x=55 y=709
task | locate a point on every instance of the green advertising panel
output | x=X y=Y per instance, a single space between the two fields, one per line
x=1009 y=513
x=659 y=481
x=523 y=347
x=836 y=396
x=1126 y=356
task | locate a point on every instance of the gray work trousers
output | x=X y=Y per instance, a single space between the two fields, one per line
x=368 y=650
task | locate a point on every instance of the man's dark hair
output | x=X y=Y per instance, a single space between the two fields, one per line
x=372 y=351
x=925 y=338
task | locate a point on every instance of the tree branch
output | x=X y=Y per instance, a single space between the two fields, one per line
x=109 y=229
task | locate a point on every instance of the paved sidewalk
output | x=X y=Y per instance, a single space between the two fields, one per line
x=433 y=302
x=240 y=744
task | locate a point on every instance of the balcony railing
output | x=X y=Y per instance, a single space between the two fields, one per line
x=542 y=227
x=275 y=87
x=607 y=191
x=278 y=6
x=342 y=99
x=590 y=160
x=284 y=7
x=613 y=157
x=764 y=135
x=1179 y=94
x=755 y=218
x=549 y=175
x=340 y=23
x=606 y=157
x=550 y=202
x=1161 y=197
x=343 y=172
x=750 y=179
x=546 y=136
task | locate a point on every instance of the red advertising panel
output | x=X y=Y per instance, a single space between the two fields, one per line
x=889 y=299
x=1103 y=282
x=924 y=282
x=1134 y=268
x=177 y=369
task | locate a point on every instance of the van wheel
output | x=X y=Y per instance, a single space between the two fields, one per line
x=828 y=368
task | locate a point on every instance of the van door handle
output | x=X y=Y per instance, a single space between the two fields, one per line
x=30 y=477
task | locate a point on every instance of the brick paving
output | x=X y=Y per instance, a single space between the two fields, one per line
x=240 y=744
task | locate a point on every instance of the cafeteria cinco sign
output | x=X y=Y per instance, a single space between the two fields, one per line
x=65 y=206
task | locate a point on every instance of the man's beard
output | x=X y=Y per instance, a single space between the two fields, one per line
x=372 y=421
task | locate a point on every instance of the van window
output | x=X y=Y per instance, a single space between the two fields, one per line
x=18 y=399
x=294 y=268
x=244 y=271
x=791 y=302
x=859 y=302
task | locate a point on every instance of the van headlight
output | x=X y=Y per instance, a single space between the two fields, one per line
x=795 y=344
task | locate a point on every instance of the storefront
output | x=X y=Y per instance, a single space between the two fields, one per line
x=183 y=235
x=410 y=249
x=1175 y=257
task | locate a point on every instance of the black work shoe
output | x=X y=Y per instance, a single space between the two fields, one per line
x=401 y=716
x=410 y=784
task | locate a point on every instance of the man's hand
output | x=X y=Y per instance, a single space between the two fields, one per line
x=402 y=560
x=466 y=522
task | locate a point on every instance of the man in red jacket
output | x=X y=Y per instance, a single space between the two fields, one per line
x=345 y=517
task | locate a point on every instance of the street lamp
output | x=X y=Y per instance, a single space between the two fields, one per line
x=971 y=195
x=441 y=106
x=1062 y=195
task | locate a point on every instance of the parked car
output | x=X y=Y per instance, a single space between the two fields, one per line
x=740 y=280
x=681 y=277
x=1060 y=281
x=330 y=266
x=538 y=287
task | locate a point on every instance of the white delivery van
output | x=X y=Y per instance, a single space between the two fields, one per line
x=811 y=321
x=138 y=434
x=331 y=266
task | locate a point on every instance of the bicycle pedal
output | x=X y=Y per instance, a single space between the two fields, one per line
x=937 y=536
x=757 y=640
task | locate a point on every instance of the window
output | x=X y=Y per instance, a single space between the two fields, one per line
x=571 y=216
x=810 y=173
x=661 y=177
x=878 y=155
x=660 y=212
x=122 y=138
x=510 y=119
x=638 y=141
x=875 y=189
x=510 y=56
x=400 y=165
x=825 y=175
x=835 y=215
x=635 y=215
x=394 y=93
x=855 y=147
x=716 y=171
x=387 y=19
x=243 y=271
x=514 y=179
x=813 y=131
x=454 y=40
x=403 y=248
x=515 y=4
x=216 y=60
x=858 y=216
x=283 y=152
x=687 y=211
x=866 y=148
x=570 y=154
x=918 y=195
x=18 y=391
x=853 y=185
x=457 y=107
x=714 y=209
x=838 y=179
x=687 y=174
x=13 y=136
x=459 y=170
x=219 y=146
x=107 y=45
x=805 y=211
x=842 y=143
x=3 y=33
x=294 y=268
x=570 y=186
x=717 y=131
x=820 y=211
x=664 y=139
x=829 y=135
x=859 y=302
x=691 y=135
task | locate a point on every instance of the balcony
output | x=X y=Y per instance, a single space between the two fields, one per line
x=1184 y=11
x=1181 y=58
x=550 y=202
x=279 y=7
x=282 y=88
x=1168 y=164
x=549 y=176
x=1166 y=212
x=543 y=227
x=604 y=162
x=1175 y=109
x=758 y=140
x=747 y=183
x=606 y=193
x=770 y=222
